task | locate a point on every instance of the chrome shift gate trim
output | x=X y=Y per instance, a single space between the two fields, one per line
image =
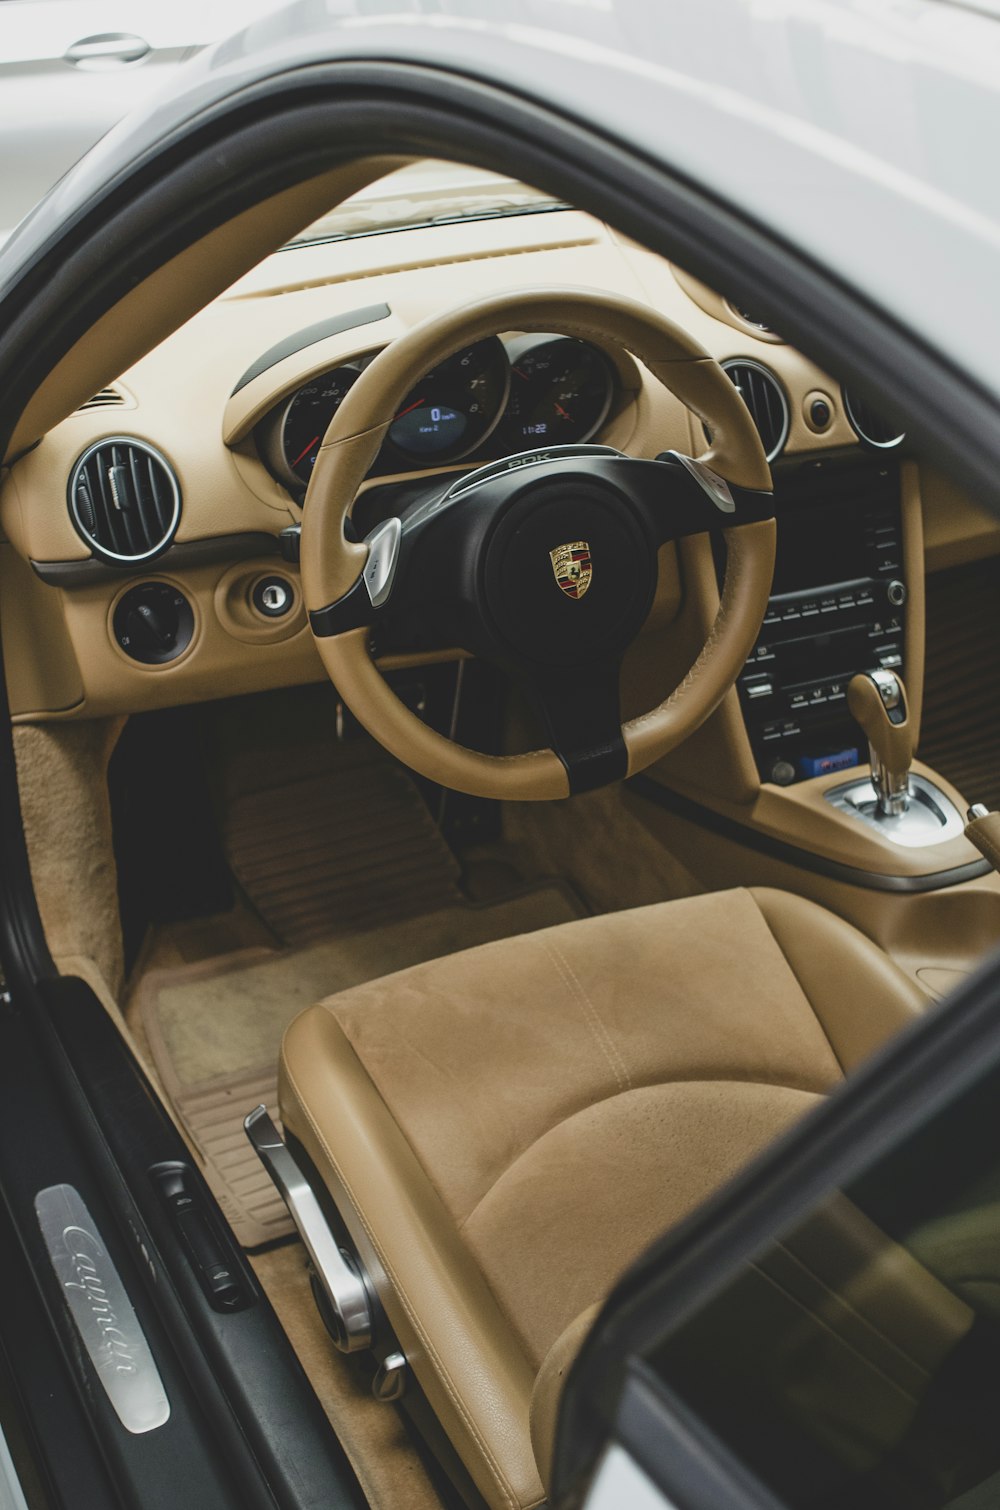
x=928 y=818
x=350 y=1314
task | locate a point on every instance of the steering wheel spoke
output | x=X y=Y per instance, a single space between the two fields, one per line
x=397 y=574
x=683 y=496
x=580 y=707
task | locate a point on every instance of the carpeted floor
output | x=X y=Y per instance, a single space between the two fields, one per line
x=214 y=1027
x=391 y=1470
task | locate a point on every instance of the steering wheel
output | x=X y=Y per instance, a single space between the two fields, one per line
x=545 y=563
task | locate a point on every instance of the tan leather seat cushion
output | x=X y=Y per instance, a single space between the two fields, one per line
x=506 y=1129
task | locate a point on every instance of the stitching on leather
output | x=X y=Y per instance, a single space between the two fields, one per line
x=736 y=547
x=494 y=1467
x=597 y=1025
x=799 y=982
x=985 y=842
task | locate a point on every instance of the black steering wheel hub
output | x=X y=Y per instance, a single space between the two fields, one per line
x=568 y=571
x=547 y=564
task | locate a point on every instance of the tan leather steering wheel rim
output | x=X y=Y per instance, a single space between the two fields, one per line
x=332 y=564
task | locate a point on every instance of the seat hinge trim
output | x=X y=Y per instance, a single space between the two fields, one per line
x=350 y=1318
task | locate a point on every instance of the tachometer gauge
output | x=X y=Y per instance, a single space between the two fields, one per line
x=560 y=391
x=308 y=416
x=453 y=407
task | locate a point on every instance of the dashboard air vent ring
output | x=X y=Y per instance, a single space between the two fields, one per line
x=765 y=398
x=124 y=500
x=869 y=425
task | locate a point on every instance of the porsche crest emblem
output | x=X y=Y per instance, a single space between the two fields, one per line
x=572 y=568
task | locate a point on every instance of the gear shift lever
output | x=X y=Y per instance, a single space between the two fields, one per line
x=877 y=699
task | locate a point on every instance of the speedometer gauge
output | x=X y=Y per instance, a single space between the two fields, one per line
x=308 y=417
x=560 y=393
x=453 y=407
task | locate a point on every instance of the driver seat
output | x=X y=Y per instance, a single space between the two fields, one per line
x=503 y=1131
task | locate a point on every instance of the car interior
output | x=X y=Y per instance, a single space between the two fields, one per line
x=497 y=728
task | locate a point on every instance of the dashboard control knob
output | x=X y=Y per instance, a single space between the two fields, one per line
x=272 y=596
x=819 y=413
x=782 y=773
x=153 y=623
x=896 y=593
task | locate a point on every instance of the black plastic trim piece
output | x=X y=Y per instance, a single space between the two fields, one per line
x=40 y=1146
x=595 y=768
x=268 y=1424
x=678 y=1452
x=182 y=555
x=791 y=854
x=370 y=315
x=50 y=1404
x=353 y=611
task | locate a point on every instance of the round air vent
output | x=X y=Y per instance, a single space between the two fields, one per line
x=124 y=500
x=869 y=425
x=765 y=398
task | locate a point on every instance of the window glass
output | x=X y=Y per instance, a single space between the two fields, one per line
x=856 y=1362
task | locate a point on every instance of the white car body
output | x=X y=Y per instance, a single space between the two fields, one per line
x=70 y=69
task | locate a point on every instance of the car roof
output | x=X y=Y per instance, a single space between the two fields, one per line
x=860 y=131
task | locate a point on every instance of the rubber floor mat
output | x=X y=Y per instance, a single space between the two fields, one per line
x=337 y=848
x=214 y=1028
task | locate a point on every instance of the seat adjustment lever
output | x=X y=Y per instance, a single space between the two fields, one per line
x=349 y=1312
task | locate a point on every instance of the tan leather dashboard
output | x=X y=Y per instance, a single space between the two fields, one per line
x=183 y=398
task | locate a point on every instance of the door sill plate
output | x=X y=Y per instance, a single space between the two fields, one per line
x=101 y=1310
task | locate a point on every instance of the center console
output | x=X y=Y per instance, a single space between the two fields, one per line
x=836 y=609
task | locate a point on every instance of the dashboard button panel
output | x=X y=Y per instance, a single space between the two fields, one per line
x=817 y=634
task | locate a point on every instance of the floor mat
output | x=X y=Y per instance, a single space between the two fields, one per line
x=338 y=837
x=214 y=1028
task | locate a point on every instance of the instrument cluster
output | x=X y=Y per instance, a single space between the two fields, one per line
x=520 y=394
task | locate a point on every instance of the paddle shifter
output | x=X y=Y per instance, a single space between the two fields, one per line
x=877 y=699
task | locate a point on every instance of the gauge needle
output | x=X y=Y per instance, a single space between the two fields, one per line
x=417 y=405
x=313 y=442
x=562 y=411
x=522 y=375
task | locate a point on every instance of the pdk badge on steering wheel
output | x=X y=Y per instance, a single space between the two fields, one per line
x=571 y=566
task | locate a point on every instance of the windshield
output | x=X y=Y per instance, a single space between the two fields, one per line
x=426 y=193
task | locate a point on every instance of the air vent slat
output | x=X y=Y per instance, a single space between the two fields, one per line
x=145 y=509
x=869 y=425
x=765 y=398
x=144 y=520
x=108 y=398
x=115 y=532
x=161 y=503
x=119 y=470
